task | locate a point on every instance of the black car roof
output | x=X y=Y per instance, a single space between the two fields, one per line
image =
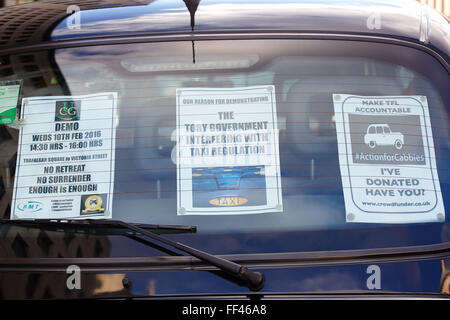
x=47 y=20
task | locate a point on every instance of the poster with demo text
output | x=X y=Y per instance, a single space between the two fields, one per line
x=65 y=160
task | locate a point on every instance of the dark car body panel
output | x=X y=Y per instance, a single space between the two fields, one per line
x=402 y=19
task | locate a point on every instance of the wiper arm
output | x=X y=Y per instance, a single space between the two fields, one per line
x=253 y=280
x=83 y=225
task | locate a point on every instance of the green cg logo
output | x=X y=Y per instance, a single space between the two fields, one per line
x=67 y=110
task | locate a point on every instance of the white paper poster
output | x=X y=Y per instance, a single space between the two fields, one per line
x=387 y=159
x=227 y=151
x=65 y=161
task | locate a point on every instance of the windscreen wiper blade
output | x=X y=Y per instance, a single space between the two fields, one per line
x=251 y=279
x=83 y=225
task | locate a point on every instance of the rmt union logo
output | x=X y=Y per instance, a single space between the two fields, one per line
x=74 y=20
x=67 y=110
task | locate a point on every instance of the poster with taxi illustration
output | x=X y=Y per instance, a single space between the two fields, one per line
x=227 y=151
x=229 y=186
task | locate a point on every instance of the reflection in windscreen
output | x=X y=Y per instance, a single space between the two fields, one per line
x=148 y=179
x=267 y=146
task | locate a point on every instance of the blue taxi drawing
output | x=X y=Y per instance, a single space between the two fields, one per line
x=229 y=186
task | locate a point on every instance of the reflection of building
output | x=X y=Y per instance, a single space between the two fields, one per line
x=86 y=3
x=52 y=285
x=34 y=22
x=30 y=24
x=39 y=78
x=441 y=6
x=21 y=242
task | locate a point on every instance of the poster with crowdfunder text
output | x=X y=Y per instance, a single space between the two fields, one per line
x=387 y=159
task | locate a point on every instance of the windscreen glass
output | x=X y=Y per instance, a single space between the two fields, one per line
x=264 y=145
